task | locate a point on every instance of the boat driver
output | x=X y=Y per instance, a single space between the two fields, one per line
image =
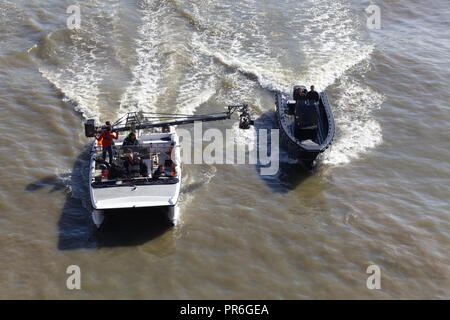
x=299 y=94
x=312 y=95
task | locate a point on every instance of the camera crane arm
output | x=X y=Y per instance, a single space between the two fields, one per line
x=136 y=121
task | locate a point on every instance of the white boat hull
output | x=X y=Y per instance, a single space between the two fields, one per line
x=98 y=217
x=135 y=196
x=130 y=196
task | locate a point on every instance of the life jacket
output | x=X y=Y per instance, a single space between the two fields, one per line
x=107 y=138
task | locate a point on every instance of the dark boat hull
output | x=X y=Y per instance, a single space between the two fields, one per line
x=295 y=151
x=305 y=152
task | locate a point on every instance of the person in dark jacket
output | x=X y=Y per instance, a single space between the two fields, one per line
x=132 y=164
x=159 y=172
x=106 y=138
x=302 y=94
x=312 y=95
x=143 y=169
x=299 y=94
x=131 y=140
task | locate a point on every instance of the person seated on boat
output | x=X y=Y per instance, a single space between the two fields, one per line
x=159 y=172
x=169 y=165
x=116 y=172
x=312 y=95
x=134 y=165
x=169 y=152
x=131 y=140
x=106 y=137
x=129 y=161
x=143 y=169
x=161 y=157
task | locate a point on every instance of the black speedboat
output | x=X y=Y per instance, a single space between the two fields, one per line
x=306 y=126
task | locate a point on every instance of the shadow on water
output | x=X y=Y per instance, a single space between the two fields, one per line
x=132 y=227
x=56 y=182
x=120 y=228
x=290 y=173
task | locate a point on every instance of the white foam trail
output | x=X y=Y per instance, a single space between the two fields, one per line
x=357 y=131
x=82 y=65
x=329 y=39
x=198 y=85
x=233 y=45
x=328 y=58
x=143 y=90
x=79 y=81
x=325 y=74
x=266 y=78
x=195 y=96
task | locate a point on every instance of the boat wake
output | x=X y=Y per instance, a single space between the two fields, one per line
x=332 y=49
x=188 y=54
x=78 y=62
x=143 y=90
x=357 y=130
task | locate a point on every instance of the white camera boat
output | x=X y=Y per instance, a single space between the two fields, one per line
x=147 y=172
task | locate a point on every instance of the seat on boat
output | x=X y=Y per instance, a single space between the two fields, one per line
x=306 y=120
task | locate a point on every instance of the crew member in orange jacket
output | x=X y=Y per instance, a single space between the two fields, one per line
x=107 y=140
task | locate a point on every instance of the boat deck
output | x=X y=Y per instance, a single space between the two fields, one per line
x=126 y=183
x=288 y=122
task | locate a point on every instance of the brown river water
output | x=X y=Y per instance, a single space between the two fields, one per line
x=380 y=196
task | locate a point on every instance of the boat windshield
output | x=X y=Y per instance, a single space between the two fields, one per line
x=135 y=165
